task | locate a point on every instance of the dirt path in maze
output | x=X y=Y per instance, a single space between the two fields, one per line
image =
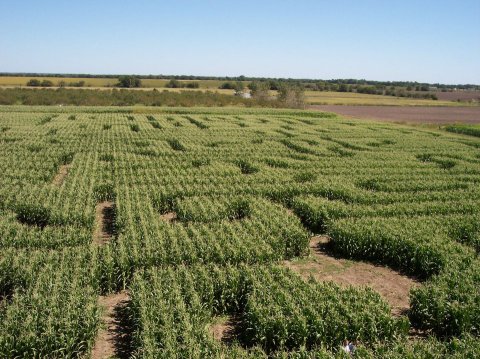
x=169 y=217
x=224 y=329
x=104 y=222
x=61 y=175
x=113 y=339
x=392 y=286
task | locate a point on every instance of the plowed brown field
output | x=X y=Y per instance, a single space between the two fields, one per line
x=413 y=114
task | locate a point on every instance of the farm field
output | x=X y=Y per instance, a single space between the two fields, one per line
x=102 y=82
x=137 y=232
x=405 y=114
x=459 y=96
x=359 y=99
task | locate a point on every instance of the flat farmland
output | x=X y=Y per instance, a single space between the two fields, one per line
x=454 y=98
x=9 y=81
x=234 y=233
x=412 y=114
x=459 y=96
x=322 y=98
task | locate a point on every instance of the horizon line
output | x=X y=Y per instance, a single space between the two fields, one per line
x=206 y=77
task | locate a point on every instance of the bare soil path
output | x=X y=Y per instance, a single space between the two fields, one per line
x=392 y=286
x=169 y=217
x=114 y=339
x=407 y=114
x=104 y=222
x=224 y=329
x=61 y=174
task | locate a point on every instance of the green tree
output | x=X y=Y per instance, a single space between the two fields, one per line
x=173 y=84
x=192 y=85
x=129 y=81
x=33 y=82
x=227 y=86
x=260 y=90
x=46 y=83
x=239 y=87
x=292 y=95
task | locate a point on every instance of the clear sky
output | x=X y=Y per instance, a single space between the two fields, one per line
x=417 y=40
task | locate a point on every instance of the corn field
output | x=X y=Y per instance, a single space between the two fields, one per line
x=193 y=212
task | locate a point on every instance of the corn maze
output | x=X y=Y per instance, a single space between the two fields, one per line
x=192 y=213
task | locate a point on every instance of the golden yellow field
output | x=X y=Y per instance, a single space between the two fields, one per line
x=102 y=82
x=22 y=81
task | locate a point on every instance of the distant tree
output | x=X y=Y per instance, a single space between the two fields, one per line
x=274 y=85
x=192 y=85
x=239 y=87
x=46 y=83
x=332 y=87
x=368 y=90
x=389 y=92
x=292 y=95
x=80 y=83
x=37 y=83
x=173 y=84
x=129 y=81
x=342 y=88
x=260 y=90
x=34 y=82
x=227 y=86
x=320 y=86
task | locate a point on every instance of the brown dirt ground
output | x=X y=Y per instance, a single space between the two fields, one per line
x=404 y=114
x=107 y=343
x=104 y=222
x=458 y=95
x=392 y=286
x=169 y=217
x=223 y=329
x=61 y=174
x=453 y=95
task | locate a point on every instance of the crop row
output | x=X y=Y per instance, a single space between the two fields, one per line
x=206 y=204
x=173 y=322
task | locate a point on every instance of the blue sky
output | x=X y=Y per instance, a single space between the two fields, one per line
x=422 y=40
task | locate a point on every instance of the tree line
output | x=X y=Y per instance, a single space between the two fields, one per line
x=125 y=97
x=287 y=90
x=338 y=82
